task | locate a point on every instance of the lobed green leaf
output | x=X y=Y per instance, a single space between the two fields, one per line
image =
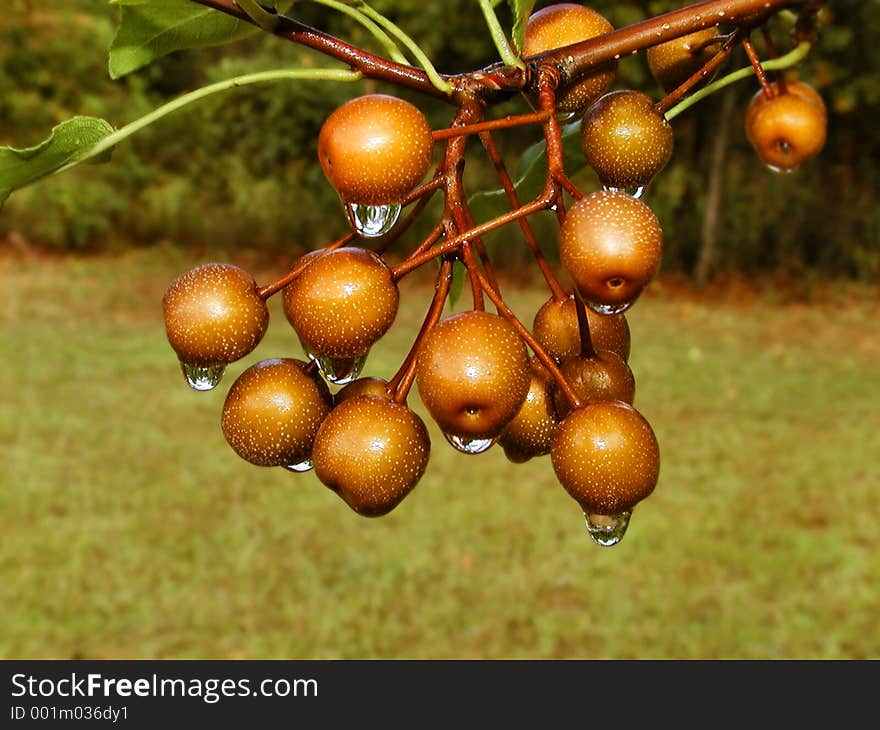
x=69 y=141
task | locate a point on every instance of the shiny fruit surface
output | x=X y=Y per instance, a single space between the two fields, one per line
x=374 y=149
x=674 y=62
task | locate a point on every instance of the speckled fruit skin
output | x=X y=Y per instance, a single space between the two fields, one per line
x=372 y=452
x=556 y=327
x=370 y=385
x=788 y=129
x=531 y=430
x=562 y=25
x=674 y=62
x=604 y=376
x=214 y=315
x=374 y=149
x=272 y=412
x=606 y=456
x=625 y=139
x=473 y=373
x=342 y=303
x=611 y=244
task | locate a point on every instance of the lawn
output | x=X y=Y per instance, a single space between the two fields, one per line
x=131 y=530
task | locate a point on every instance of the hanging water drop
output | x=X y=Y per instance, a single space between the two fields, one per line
x=305 y=465
x=605 y=309
x=607 y=530
x=468 y=445
x=372 y=221
x=202 y=377
x=636 y=192
x=340 y=370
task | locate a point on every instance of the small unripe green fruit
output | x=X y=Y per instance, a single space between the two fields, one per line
x=606 y=456
x=611 y=244
x=374 y=149
x=272 y=412
x=556 y=328
x=564 y=24
x=625 y=139
x=342 y=303
x=372 y=452
x=473 y=373
x=674 y=62
x=214 y=315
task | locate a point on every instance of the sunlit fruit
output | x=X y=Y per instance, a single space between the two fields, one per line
x=606 y=456
x=625 y=139
x=787 y=129
x=473 y=373
x=214 y=315
x=611 y=245
x=272 y=412
x=374 y=149
x=342 y=303
x=372 y=452
x=601 y=376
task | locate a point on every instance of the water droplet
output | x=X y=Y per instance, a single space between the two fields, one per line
x=340 y=370
x=202 y=377
x=607 y=530
x=372 y=221
x=779 y=170
x=305 y=465
x=468 y=445
x=634 y=192
x=615 y=308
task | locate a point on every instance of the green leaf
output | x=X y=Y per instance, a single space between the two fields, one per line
x=521 y=10
x=149 y=29
x=457 y=283
x=69 y=141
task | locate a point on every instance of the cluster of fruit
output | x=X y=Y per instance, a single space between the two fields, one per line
x=562 y=387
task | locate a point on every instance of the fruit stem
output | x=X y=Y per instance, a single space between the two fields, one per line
x=674 y=96
x=587 y=349
x=766 y=86
x=515 y=120
x=507 y=54
x=423 y=195
x=792 y=58
x=415 y=260
x=542 y=355
x=402 y=382
x=529 y=235
x=276 y=286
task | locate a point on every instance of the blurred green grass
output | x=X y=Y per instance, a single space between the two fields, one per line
x=131 y=530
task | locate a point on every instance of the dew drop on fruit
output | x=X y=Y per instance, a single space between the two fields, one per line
x=779 y=170
x=468 y=445
x=372 y=221
x=201 y=377
x=607 y=530
x=305 y=465
x=632 y=192
x=341 y=370
x=603 y=309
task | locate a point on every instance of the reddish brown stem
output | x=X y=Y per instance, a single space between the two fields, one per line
x=542 y=355
x=411 y=263
x=490 y=125
x=676 y=95
x=427 y=191
x=587 y=349
x=403 y=380
x=276 y=286
x=529 y=235
x=766 y=86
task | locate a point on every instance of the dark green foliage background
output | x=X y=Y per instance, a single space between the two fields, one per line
x=239 y=171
